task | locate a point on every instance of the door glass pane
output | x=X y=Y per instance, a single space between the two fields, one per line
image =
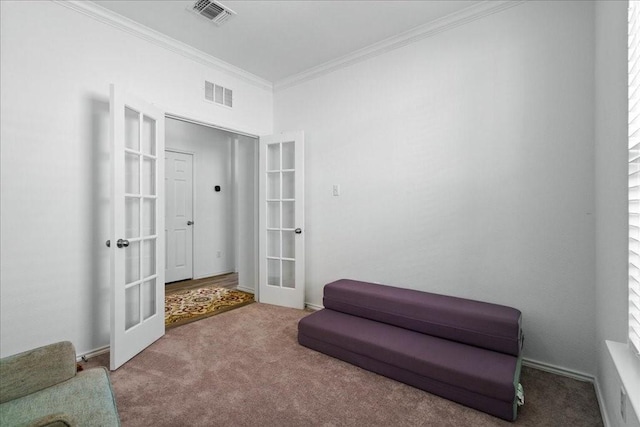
x=132 y=262
x=273 y=185
x=131 y=129
x=273 y=157
x=132 y=306
x=273 y=214
x=132 y=173
x=148 y=298
x=148 y=257
x=273 y=244
x=288 y=215
x=132 y=217
x=148 y=176
x=288 y=185
x=288 y=274
x=148 y=136
x=273 y=272
x=288 y=244
x=148 y=217
x=288 y=155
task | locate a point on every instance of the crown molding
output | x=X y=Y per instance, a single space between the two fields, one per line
x=127 y=25
x=464 y=16
x=469 y=14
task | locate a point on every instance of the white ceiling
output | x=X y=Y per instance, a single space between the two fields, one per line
x=278 y=39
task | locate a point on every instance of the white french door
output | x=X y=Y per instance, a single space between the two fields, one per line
x=179 y=216
x=281 y=216
x=137 y=240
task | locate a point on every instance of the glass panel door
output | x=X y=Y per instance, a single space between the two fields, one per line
x=282 y=220
x=137 y=314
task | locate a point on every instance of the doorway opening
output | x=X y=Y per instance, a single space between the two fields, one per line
x=211 y=208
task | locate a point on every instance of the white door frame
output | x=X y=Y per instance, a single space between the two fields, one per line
x=169 y=115
x=193 y=198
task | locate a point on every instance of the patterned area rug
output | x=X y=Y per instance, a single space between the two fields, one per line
x=186 y=306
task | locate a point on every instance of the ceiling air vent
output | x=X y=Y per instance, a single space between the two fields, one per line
x=212 y=10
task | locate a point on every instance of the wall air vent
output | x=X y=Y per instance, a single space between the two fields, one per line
x=212 y=10
x=218 y=94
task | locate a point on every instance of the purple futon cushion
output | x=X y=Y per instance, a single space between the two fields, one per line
x=481 y=324
x=477 y=370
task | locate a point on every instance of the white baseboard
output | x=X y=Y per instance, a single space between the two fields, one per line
x=558 y=370
x=576 y=375
x=245 y=289
x=92 y=353
x=207 y=275
x=603 y=411
x=313 y=307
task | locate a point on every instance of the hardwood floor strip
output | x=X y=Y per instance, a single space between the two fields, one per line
x=229 y=281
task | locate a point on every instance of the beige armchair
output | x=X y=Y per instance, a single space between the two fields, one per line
x=40 y=387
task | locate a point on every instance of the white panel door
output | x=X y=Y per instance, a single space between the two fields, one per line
x=179 y=216
x=281 y=228
x=137 y=243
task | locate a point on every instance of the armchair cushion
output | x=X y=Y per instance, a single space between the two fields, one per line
x=41 y=388
x=87 y=399
x=33 y=370
x=53 y=420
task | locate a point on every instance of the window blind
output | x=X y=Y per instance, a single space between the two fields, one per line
x=634 y=175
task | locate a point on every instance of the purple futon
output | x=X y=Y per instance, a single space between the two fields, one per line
x=466 y=351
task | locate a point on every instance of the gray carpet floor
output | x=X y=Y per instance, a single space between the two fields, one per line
x=245 y=368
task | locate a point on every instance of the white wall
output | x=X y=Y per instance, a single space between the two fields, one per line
x=55 y=68
x=213 y=211
x=245 y=151
x=611 y=200
x=466 y=165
